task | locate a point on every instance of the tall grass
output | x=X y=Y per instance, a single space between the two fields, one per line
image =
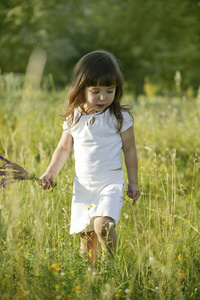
x=158 y=239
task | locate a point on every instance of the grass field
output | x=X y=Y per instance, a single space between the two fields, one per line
x=158 y=253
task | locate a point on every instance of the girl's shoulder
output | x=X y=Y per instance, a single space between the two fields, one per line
x=122 y=121
x=127 y=121
x=68 y=123
x=126 y=114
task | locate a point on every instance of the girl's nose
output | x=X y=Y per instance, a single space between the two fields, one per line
x=102 y=97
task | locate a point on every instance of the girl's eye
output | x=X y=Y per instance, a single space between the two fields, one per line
x=94 y=92
x=110 y=92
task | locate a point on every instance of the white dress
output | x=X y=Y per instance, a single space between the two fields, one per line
x=98 y=185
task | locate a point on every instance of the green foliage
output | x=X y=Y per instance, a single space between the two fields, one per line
x=151 y=38
x=158 y=239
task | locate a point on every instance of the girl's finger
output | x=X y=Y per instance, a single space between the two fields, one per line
x=129 y=194
x=45 y=184
x=134 y=201
x=136 y=196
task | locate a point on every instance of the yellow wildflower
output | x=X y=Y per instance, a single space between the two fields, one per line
x=77 y=288
x=182 y=275
x=57 y=287
x=179 y=257
x=90 y=253
x=54 y=267
x=117 y=295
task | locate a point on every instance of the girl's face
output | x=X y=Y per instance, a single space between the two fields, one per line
x=98 y=98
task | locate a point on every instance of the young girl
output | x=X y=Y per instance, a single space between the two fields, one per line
x=99 y=128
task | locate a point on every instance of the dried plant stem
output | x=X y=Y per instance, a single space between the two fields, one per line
x=12 y=172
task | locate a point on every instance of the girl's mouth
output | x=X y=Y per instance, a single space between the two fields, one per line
x=100 y=105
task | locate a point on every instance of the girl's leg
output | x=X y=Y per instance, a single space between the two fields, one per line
x=89 y=245
x=106 y=233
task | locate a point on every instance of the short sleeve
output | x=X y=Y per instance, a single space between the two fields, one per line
x=69 y=128
x=127 y=121
x=66 y=127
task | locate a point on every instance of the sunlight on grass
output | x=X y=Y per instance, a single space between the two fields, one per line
x=158 y=239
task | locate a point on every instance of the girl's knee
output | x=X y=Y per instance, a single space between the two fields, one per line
x=87 y=235
x=103 y=226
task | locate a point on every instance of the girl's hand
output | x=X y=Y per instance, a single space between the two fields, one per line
x=47 y=179
x=133 y=192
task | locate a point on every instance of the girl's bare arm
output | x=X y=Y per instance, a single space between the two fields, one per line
x=130 y=156
x=59 y=158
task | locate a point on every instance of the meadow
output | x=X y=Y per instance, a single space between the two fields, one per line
x=157 y=254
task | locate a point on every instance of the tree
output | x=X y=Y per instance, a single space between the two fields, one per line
x=151 y=38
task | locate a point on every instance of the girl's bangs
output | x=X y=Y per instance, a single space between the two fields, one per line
x=102 y=78
x=106 y=79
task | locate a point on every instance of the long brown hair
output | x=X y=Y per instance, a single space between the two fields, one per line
x=97 y=68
